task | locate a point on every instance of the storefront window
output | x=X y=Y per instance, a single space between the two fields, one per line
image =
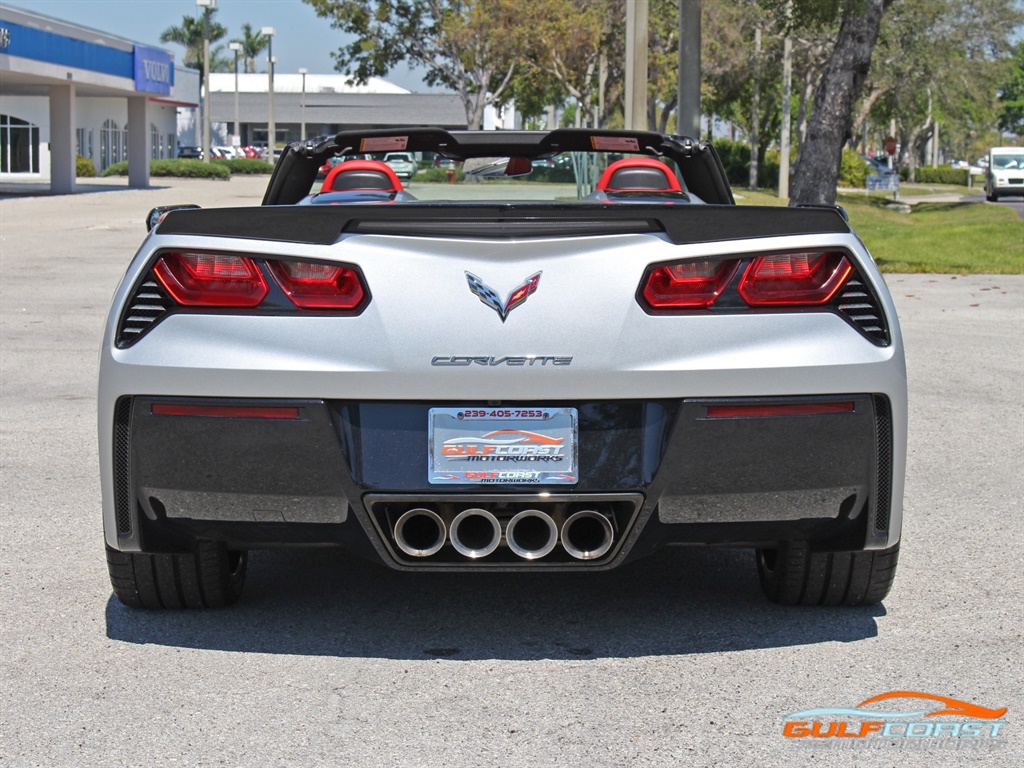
x=83 y=142
x=19 y=145
x=113 y=144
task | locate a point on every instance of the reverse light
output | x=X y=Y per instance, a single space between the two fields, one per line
x=211 y=279
x=794 y=278
x=312 y=285
x=688 y=284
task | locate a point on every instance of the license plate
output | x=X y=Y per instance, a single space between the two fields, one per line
x=503 y=446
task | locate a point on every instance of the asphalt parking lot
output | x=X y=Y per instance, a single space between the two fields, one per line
x=676 y=660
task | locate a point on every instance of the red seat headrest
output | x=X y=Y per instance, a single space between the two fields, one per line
x=353 y=175
x=638 y=174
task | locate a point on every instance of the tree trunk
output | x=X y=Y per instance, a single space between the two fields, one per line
x=919 y=136
x=865 y=109
x=801 y=112
x=817 y=172
x=666 y=113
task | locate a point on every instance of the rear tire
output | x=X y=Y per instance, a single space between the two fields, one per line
x=211 y=576
x=793 y=574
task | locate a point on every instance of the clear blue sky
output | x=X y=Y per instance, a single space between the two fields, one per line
x=302 y=39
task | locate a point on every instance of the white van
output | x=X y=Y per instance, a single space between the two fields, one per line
x=1005 y=174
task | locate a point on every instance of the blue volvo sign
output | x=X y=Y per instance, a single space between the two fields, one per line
x=154 y=70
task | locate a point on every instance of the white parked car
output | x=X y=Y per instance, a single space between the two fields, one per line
x=402 y=164
x=1005 y=174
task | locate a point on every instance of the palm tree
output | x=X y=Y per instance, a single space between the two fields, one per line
x=190 y=35
x=221 y=60
x=253 y=44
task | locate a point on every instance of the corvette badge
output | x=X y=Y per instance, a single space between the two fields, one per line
x=490 y=297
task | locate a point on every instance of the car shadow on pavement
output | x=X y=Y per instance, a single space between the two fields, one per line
x=316 y=602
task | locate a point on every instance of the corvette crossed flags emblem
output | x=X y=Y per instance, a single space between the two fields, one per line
x=491 y=298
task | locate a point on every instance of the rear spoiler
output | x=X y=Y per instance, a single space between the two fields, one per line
x=680 y=224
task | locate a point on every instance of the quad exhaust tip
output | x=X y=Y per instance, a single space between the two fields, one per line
x=531 y=534
x=587 y=535
x=419 y=532
x=475 y=533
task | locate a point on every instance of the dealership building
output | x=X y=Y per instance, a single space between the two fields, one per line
x=67 y=89
x=307 y=105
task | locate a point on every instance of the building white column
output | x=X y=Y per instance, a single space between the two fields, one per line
x=62 y=139
x=138 y=142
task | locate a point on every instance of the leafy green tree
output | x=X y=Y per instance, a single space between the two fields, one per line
x=190 y=35
x=535 y=92
x=1011 y=95
x=938 y=62
x=565 y=46
x=662 y=63
x=470 y=46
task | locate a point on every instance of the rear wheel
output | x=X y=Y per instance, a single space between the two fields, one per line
x=211 y=576
x=793 y=574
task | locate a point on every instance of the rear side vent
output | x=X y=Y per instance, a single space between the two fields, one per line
x=857 y=303
x=148 y=305
x=122 y=479
x=883 y=433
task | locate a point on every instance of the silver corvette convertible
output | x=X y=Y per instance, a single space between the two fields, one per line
x=571 y=351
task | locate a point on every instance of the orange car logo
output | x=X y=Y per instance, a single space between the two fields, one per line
x=530 y=438
x=951 y=706
x=504 y=442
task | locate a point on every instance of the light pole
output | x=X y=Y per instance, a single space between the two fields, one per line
x=637 y=17
x=302 y=128
x=269 y=33
x=236 y=140
x=208 y=7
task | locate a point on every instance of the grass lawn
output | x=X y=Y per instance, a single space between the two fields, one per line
x=959 y=238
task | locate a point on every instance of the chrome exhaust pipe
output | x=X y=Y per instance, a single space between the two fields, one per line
x=419 y=532
x=475 y=533
x=587 y=535
x=531 y=534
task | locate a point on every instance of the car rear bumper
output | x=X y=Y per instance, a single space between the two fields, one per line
x=724 y=471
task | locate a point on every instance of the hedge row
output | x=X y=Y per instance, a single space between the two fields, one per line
x=196 y=169
x=246 y=165
x=941 y=175
x=553 y=175
x=736 y=159
x=438 y=175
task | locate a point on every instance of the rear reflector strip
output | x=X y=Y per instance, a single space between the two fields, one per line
x=226 y=411
x=781 y=409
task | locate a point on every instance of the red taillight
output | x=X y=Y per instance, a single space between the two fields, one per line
x=794 y=278
x=688 y=284
x=319 y=286
x=211 y=279
x=226 y=411
x=778 y=409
